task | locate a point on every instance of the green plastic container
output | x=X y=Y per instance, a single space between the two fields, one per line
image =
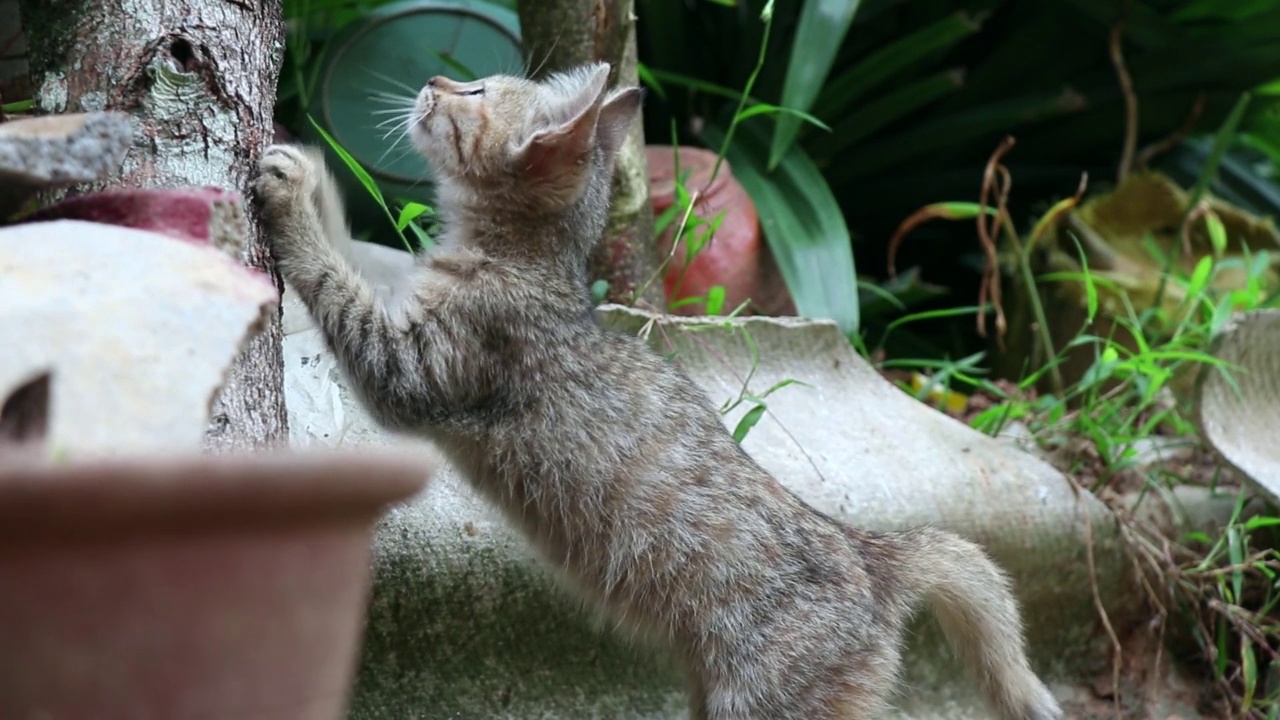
x=391 y=52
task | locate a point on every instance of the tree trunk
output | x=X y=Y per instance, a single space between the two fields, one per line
x=199 y=78
x=558 y=34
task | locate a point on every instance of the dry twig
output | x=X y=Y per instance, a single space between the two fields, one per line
x=1130 y=102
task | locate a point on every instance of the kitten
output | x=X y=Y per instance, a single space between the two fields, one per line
x=614 y=464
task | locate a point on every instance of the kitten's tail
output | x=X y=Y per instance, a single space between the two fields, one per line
x=974 y=603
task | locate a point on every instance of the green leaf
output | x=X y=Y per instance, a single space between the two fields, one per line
x=891 y=109
x=424 y=240
x=818 y=37
x=599 y=289
x=647 y=77
x=1217 y=233
x=1090 y=289
x=802 y=223
x=1249 y=668
x=747 y=422
x=715 y=300
x=767 y=109
x=839 y=95
x=1235 y=553
x=18 y=106
x=363 y=176
x=464 y=73
x=410 y=212
x=1226 y=134
x=1261 y=521
x=1200 y=277
x=654 y=78
x=955 y=131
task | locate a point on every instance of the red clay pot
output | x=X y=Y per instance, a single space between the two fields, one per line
x=209 y=588
x=732 y=259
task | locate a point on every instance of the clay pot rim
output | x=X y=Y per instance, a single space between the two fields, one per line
x=196 y=494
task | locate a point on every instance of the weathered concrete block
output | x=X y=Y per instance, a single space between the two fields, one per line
x=57 y=150
x=137 y=330
x=1239 y=406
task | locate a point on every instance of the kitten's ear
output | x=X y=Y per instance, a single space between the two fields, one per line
x=566 y=140
x=616 y=114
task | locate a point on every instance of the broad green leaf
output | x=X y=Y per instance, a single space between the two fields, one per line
x=839 y=95
x=889 y=109
x=802 y=224
x=1235 y=10
x=818 y=37
x=955 y=130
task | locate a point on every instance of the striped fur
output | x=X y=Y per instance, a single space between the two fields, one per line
x=612 y=462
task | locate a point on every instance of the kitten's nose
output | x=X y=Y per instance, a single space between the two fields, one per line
x=440 y=82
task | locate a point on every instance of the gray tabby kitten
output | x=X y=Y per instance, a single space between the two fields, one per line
x=612 y=462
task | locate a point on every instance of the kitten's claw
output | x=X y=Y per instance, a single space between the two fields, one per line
x=286 y=177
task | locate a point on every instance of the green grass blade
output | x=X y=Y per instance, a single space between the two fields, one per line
x=818 y=37
x=1226 y=134
x=802 y=224
x=363 y=176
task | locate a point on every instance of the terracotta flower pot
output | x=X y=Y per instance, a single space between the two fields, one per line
x=209 y=588
x=736 y=257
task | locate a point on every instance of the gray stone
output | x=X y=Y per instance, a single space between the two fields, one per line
x=57 y=150
x=465 y=624
x=136 y=329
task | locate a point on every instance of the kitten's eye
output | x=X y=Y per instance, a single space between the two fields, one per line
x=473 y=91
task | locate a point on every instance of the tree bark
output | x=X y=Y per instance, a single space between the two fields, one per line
x=559 y=34
x=199 y=78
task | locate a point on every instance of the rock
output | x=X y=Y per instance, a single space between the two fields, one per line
x=57 y=150
x=465 y=623
x=206 y=215
x=137 y=332
x=1239 y=406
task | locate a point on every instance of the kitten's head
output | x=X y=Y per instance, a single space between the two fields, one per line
x=534 y=143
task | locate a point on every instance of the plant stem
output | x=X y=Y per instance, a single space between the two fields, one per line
x=767 y=16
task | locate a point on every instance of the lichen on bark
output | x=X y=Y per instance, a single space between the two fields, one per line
x=559 y=34
x=199 y=79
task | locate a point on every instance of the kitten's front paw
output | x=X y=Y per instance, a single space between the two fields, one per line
x=286 y=180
